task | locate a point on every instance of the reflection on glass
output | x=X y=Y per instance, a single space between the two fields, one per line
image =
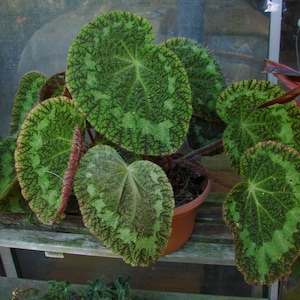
x=35 y=35
x=289 y=50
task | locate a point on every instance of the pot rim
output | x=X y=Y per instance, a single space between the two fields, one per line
x=197 y=201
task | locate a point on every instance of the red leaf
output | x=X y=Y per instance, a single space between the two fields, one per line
x=289 y=76
x=287 y=97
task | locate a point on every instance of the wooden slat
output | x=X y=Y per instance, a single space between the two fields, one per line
x=81 y=244
x=8 y=262
x=211 y=242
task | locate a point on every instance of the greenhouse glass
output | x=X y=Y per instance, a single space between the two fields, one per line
x=35 y=35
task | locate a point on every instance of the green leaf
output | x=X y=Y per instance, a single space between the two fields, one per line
x=135 y=93
x=202 y=133
x=205 y=75
x=129 y=207
x=246 y=127
x=44 y=147
x=7 y=169
x=263 y=212
x=9 y=189
x=27 y=96
x=239 y=99
x=207 y=82
x=11 y=199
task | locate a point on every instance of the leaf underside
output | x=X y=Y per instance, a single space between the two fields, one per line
x=130 y=208
x=246 y=127
x=77 y=150
x=135 y=93
x=44 y=148
x=263 y=212
x=53 y=86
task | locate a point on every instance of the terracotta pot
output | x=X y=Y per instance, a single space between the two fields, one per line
x=184 y=220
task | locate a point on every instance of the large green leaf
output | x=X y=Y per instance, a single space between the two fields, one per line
x=27 y=96
x=205 y=75
x=263 y=212
x=48 y=140
x=129 y=207
x=207 y=82
x=246 y=127
x=135 y=93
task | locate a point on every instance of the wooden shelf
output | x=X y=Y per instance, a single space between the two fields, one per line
x=211 y=242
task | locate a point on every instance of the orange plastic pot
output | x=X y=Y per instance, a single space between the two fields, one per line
x=184 y=220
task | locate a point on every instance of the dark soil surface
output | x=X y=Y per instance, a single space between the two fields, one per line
x=186 y=185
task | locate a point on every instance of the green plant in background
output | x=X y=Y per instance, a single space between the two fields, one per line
x=122 y=103
x=59 y=290
x=262 y=211
x=94 y=290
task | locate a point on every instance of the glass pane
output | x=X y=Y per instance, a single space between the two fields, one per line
x=290 y=34
x=35 y=35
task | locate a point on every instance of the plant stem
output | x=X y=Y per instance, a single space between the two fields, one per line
x=202 y=170
x=204 y=150
x=91 y=136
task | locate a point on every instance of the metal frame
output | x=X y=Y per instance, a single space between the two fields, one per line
x=275 y=34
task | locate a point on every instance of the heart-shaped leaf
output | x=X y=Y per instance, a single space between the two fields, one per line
x=129 y=207
x=263 y=212
x=46 y=153
x=135 y=93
